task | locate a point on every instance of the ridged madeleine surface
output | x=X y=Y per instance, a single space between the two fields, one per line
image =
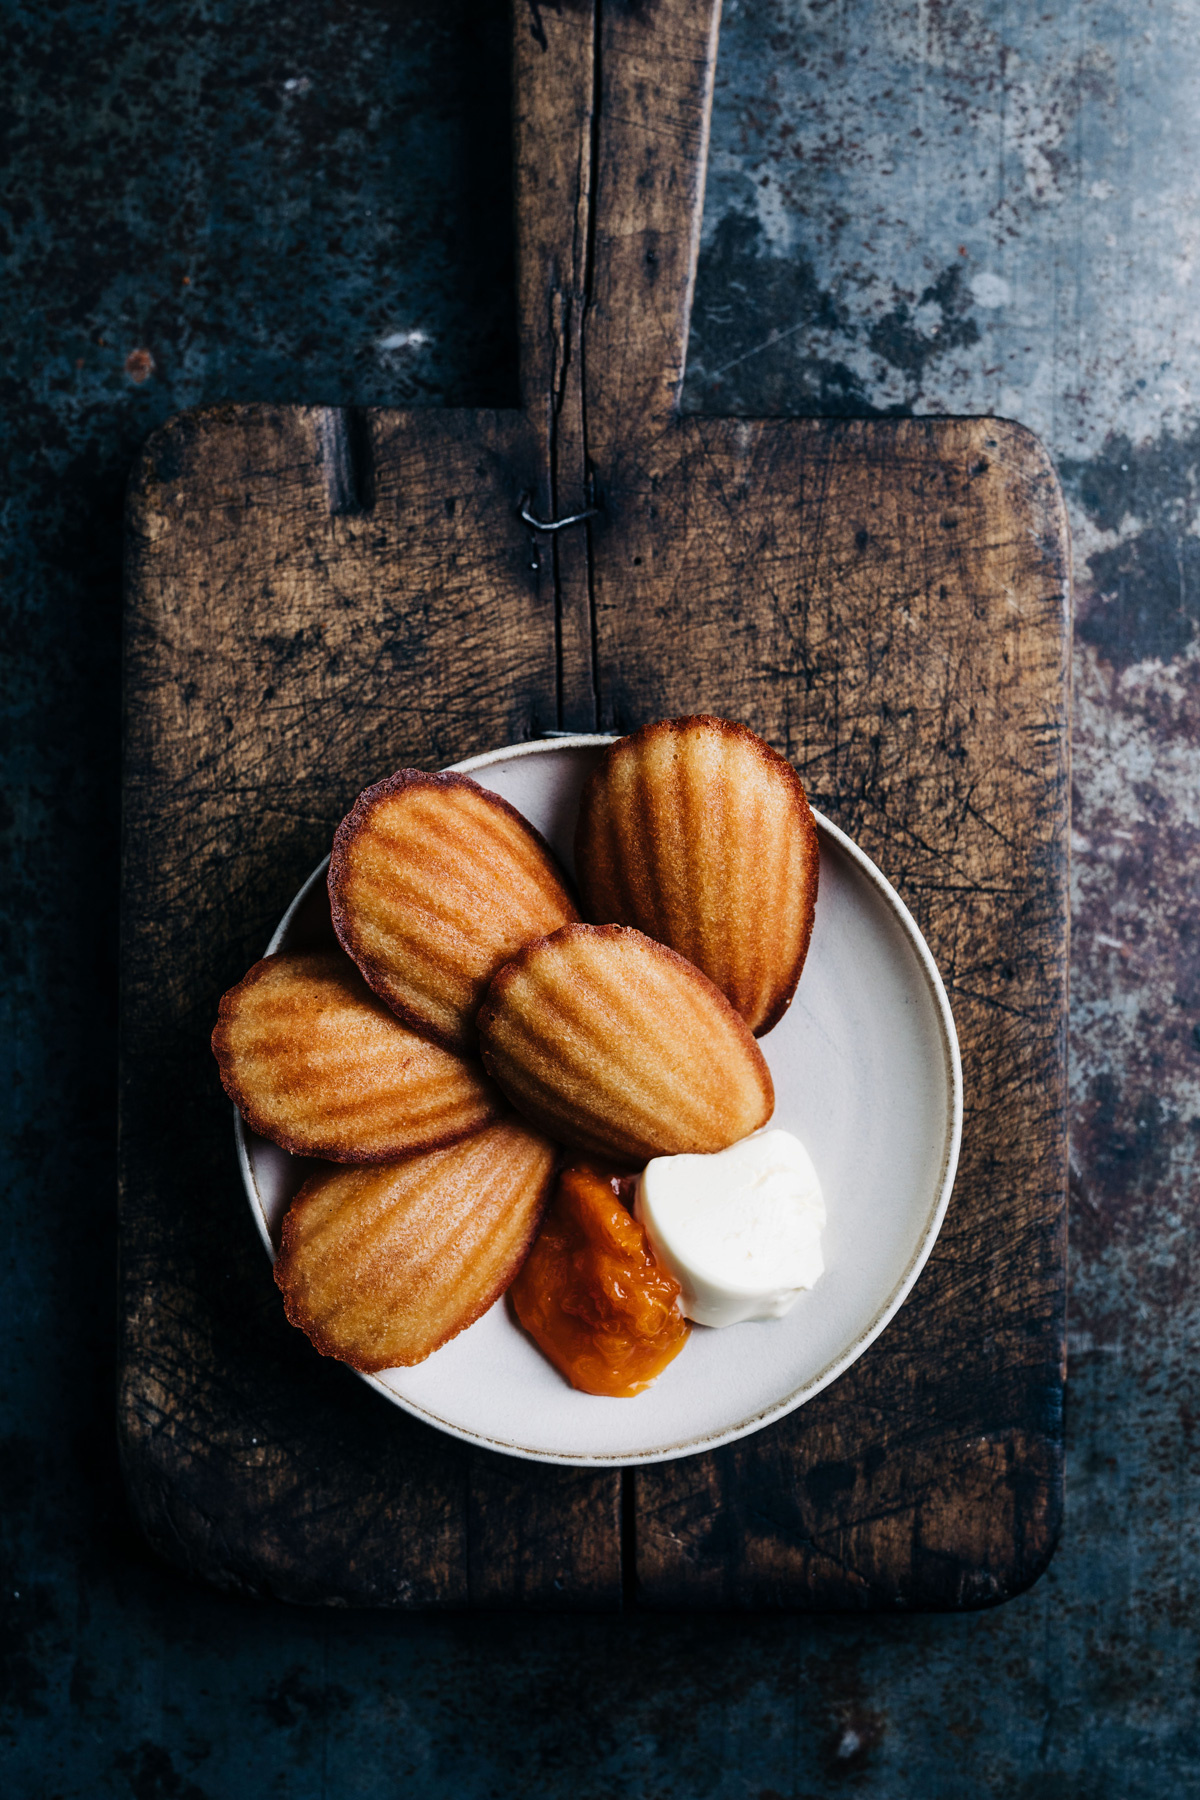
x=434 y=883
x=700 y=835
x=616 y=1045
x=382 y=1266
x=314 y=1060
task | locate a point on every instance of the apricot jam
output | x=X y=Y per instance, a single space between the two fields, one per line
x=591 y=1295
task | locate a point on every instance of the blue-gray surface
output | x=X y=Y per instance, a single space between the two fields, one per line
x=933 y=206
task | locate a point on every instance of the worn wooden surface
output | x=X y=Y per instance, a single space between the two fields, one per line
x=315 y=599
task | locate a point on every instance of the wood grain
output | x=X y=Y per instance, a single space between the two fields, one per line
x=658 y=65
x=555 y=73
x=317 y=598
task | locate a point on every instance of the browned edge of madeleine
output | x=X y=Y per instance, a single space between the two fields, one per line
x=254 y=1119
x=369 y=969
x=322 y=1345
x=771 y=759
x=504 y=977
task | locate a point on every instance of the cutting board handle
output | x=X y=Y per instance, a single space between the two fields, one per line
x=612 y=101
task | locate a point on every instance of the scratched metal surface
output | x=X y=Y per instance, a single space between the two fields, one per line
x=945 y=205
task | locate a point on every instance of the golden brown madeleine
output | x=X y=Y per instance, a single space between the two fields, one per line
x=434 y=883
x=382 y=1266
x=313 y=1059
x=613 y=1043
x=698 y=833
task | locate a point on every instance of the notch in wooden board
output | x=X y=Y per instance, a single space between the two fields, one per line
x=347 y=460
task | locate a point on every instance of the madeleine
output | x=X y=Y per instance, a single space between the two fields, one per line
x=434 y=883
x=382 y=1266
x=612 y=1043
x=315 y=1061
x=696 y=832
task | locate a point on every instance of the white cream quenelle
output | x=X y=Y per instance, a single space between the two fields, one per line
x=740 y=1230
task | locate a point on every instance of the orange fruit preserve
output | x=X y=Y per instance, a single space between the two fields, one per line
x=592 y=1296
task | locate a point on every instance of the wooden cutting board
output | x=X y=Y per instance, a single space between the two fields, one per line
x=317 y=597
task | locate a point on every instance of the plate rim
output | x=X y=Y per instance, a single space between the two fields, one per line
x=900 y=1292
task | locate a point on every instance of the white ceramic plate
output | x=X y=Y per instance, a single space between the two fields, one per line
x=866 y=1070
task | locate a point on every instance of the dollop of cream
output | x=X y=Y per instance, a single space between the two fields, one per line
x=739 y=1230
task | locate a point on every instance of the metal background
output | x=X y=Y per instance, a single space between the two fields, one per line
x=944 y=205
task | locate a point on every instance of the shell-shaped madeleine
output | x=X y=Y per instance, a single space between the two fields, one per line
x=382 y=1266
x=700 y=835
x=313 y=1059
x=434 y=883
x=612 y=1043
